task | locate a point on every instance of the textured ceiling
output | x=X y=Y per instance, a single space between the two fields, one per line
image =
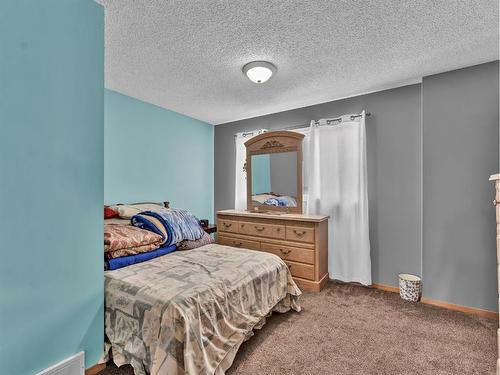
x=187 y=55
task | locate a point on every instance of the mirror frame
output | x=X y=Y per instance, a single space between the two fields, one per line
x=270 y=143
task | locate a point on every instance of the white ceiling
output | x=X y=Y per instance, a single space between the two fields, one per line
x=187 y=55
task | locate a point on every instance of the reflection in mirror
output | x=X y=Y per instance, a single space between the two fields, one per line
x=274 y=179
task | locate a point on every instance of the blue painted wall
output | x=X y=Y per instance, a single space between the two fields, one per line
x=153 y=154
x=261 y=174
x=51 y=182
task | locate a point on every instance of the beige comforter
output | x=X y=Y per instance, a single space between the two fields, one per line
x=188 y=312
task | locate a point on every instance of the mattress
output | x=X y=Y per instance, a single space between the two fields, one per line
x=188 y=312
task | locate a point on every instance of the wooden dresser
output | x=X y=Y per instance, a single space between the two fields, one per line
x=496 y=203
x=300 y=240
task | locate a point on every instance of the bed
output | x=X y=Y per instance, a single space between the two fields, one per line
x=188 y=312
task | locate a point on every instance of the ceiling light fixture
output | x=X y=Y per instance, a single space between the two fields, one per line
x=259 y=71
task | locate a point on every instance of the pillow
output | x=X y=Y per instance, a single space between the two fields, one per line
x=189 y=245
x=126 y=211
x=110 y=213
x=129 y=238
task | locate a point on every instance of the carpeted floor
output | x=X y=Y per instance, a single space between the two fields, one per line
x=348 y=329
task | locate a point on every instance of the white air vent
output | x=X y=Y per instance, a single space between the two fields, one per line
x=74 y=365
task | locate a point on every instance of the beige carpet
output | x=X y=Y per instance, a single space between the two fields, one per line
x=349 y=329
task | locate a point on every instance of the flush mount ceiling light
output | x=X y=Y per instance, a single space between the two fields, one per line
x=259 y=71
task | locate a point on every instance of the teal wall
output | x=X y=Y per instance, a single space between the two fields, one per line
x=153 y=154
x=51 y=182
x=261 y=174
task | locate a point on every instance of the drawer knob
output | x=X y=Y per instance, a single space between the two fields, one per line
x=285 y=252
x=237 y=244
x=227 y=225
x=259 y=229
x=495 y=202
x=299 y=234
x=278 y=229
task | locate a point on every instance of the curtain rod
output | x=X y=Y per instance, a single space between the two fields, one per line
x=328 y=122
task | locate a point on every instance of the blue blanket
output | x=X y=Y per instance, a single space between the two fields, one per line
x=115 y=263
x=174 y=225
x=283 y=201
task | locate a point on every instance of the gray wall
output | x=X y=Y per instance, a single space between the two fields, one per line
x=284 y=173
x=394 y=167
x=430 y=211
x=460 y=133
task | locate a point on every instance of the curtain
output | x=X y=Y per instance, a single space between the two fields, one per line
x=336 y=183
x=240 y=183
x=305 y=163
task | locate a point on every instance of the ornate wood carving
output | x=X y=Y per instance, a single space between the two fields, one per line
x=273 y=143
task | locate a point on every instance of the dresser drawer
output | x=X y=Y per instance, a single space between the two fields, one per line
x=304 y=271
x=229 y=226
x=262 y=229
x=301 y=234
x=289 y=253
x=301 y=241
x=236 y=242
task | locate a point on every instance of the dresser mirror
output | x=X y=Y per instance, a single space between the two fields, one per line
x=274 y=172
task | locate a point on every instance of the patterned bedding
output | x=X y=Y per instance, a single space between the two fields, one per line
x=121 y=240
x=188 y=312
x=189 y=245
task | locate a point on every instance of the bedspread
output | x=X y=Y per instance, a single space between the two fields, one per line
x=188 y=312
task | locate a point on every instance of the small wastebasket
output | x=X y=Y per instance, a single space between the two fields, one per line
x=410 y=288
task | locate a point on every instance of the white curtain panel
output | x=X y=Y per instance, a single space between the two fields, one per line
x=336 y=183
x=240 y=183
x=305 y=163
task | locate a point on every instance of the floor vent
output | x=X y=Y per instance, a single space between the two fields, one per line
x=74 y=365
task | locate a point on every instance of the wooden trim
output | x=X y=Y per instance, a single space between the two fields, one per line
x=387 y=288
x=95 y=369
x=323 y=281
x=310 y=285
x=446 y=305
x=224 y=214
x=276 y=133
x=464 y=309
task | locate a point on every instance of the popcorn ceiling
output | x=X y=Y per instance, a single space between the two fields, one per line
x=187 y=56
